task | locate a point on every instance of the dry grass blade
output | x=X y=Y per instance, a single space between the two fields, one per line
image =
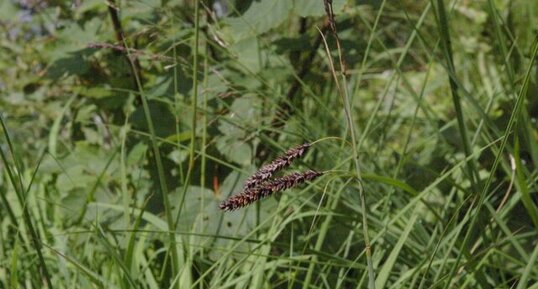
x=330 y=14
x=332 y=24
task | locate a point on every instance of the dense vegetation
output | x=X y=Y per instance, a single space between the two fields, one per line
x=126 y=123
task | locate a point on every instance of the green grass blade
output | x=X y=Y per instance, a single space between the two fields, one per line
x=158 y=164
x=528 y=270
x=523 y=186
x=509 y=130
x=444 y=33
x=387 y=267
x=21 y=193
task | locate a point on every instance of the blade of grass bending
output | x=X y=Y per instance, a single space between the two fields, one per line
x=91 y=194
x=101 y=237
x=324 y=229
x=524 y=256
x=384 y=273
x=356 y=144
x=392 y=182
x=93 y=277
x=526 y=273
x=7 y=205
x=21 y=196
x=509 y=128
x=55 y=128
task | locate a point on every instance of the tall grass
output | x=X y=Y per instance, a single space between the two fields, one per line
x=421 y=116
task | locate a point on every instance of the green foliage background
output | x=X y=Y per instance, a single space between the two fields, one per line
x=114 y=181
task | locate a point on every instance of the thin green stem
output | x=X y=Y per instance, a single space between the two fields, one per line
x=194 y=109
x=158 y=162
x=194 y=102
x=204 y=142
x=446 y=44
x=347 y=111
x=177 y=103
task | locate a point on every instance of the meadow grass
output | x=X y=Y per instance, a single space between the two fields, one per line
x=417 y=169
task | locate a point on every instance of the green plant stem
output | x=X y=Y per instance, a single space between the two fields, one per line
x=194 y=109
x=158 y=162
x=204 y=142
x=371 y=273
x=446 y=45
x=347 y=111
x=177 y=105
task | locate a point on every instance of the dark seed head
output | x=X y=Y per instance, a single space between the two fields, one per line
x=267 y=171
x=267 y=188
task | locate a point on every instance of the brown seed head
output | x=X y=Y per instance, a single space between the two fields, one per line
x=267 y=171
x=265 y=189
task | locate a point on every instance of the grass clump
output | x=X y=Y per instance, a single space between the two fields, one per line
x=125 y=125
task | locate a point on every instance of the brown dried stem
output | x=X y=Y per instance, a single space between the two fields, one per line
x=332 y=24
x=120 y=37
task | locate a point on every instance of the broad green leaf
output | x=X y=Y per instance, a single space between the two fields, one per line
x=85 y=113
x=244 y=109
x=141 y=9
x=72 y=38
x=94 y=92
x=390 y=181
x=137 y=153
x=182 y=136
x=248 y=54
x=259 y=18
x=73 y=204
x=235 y=150
x=306 y=8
